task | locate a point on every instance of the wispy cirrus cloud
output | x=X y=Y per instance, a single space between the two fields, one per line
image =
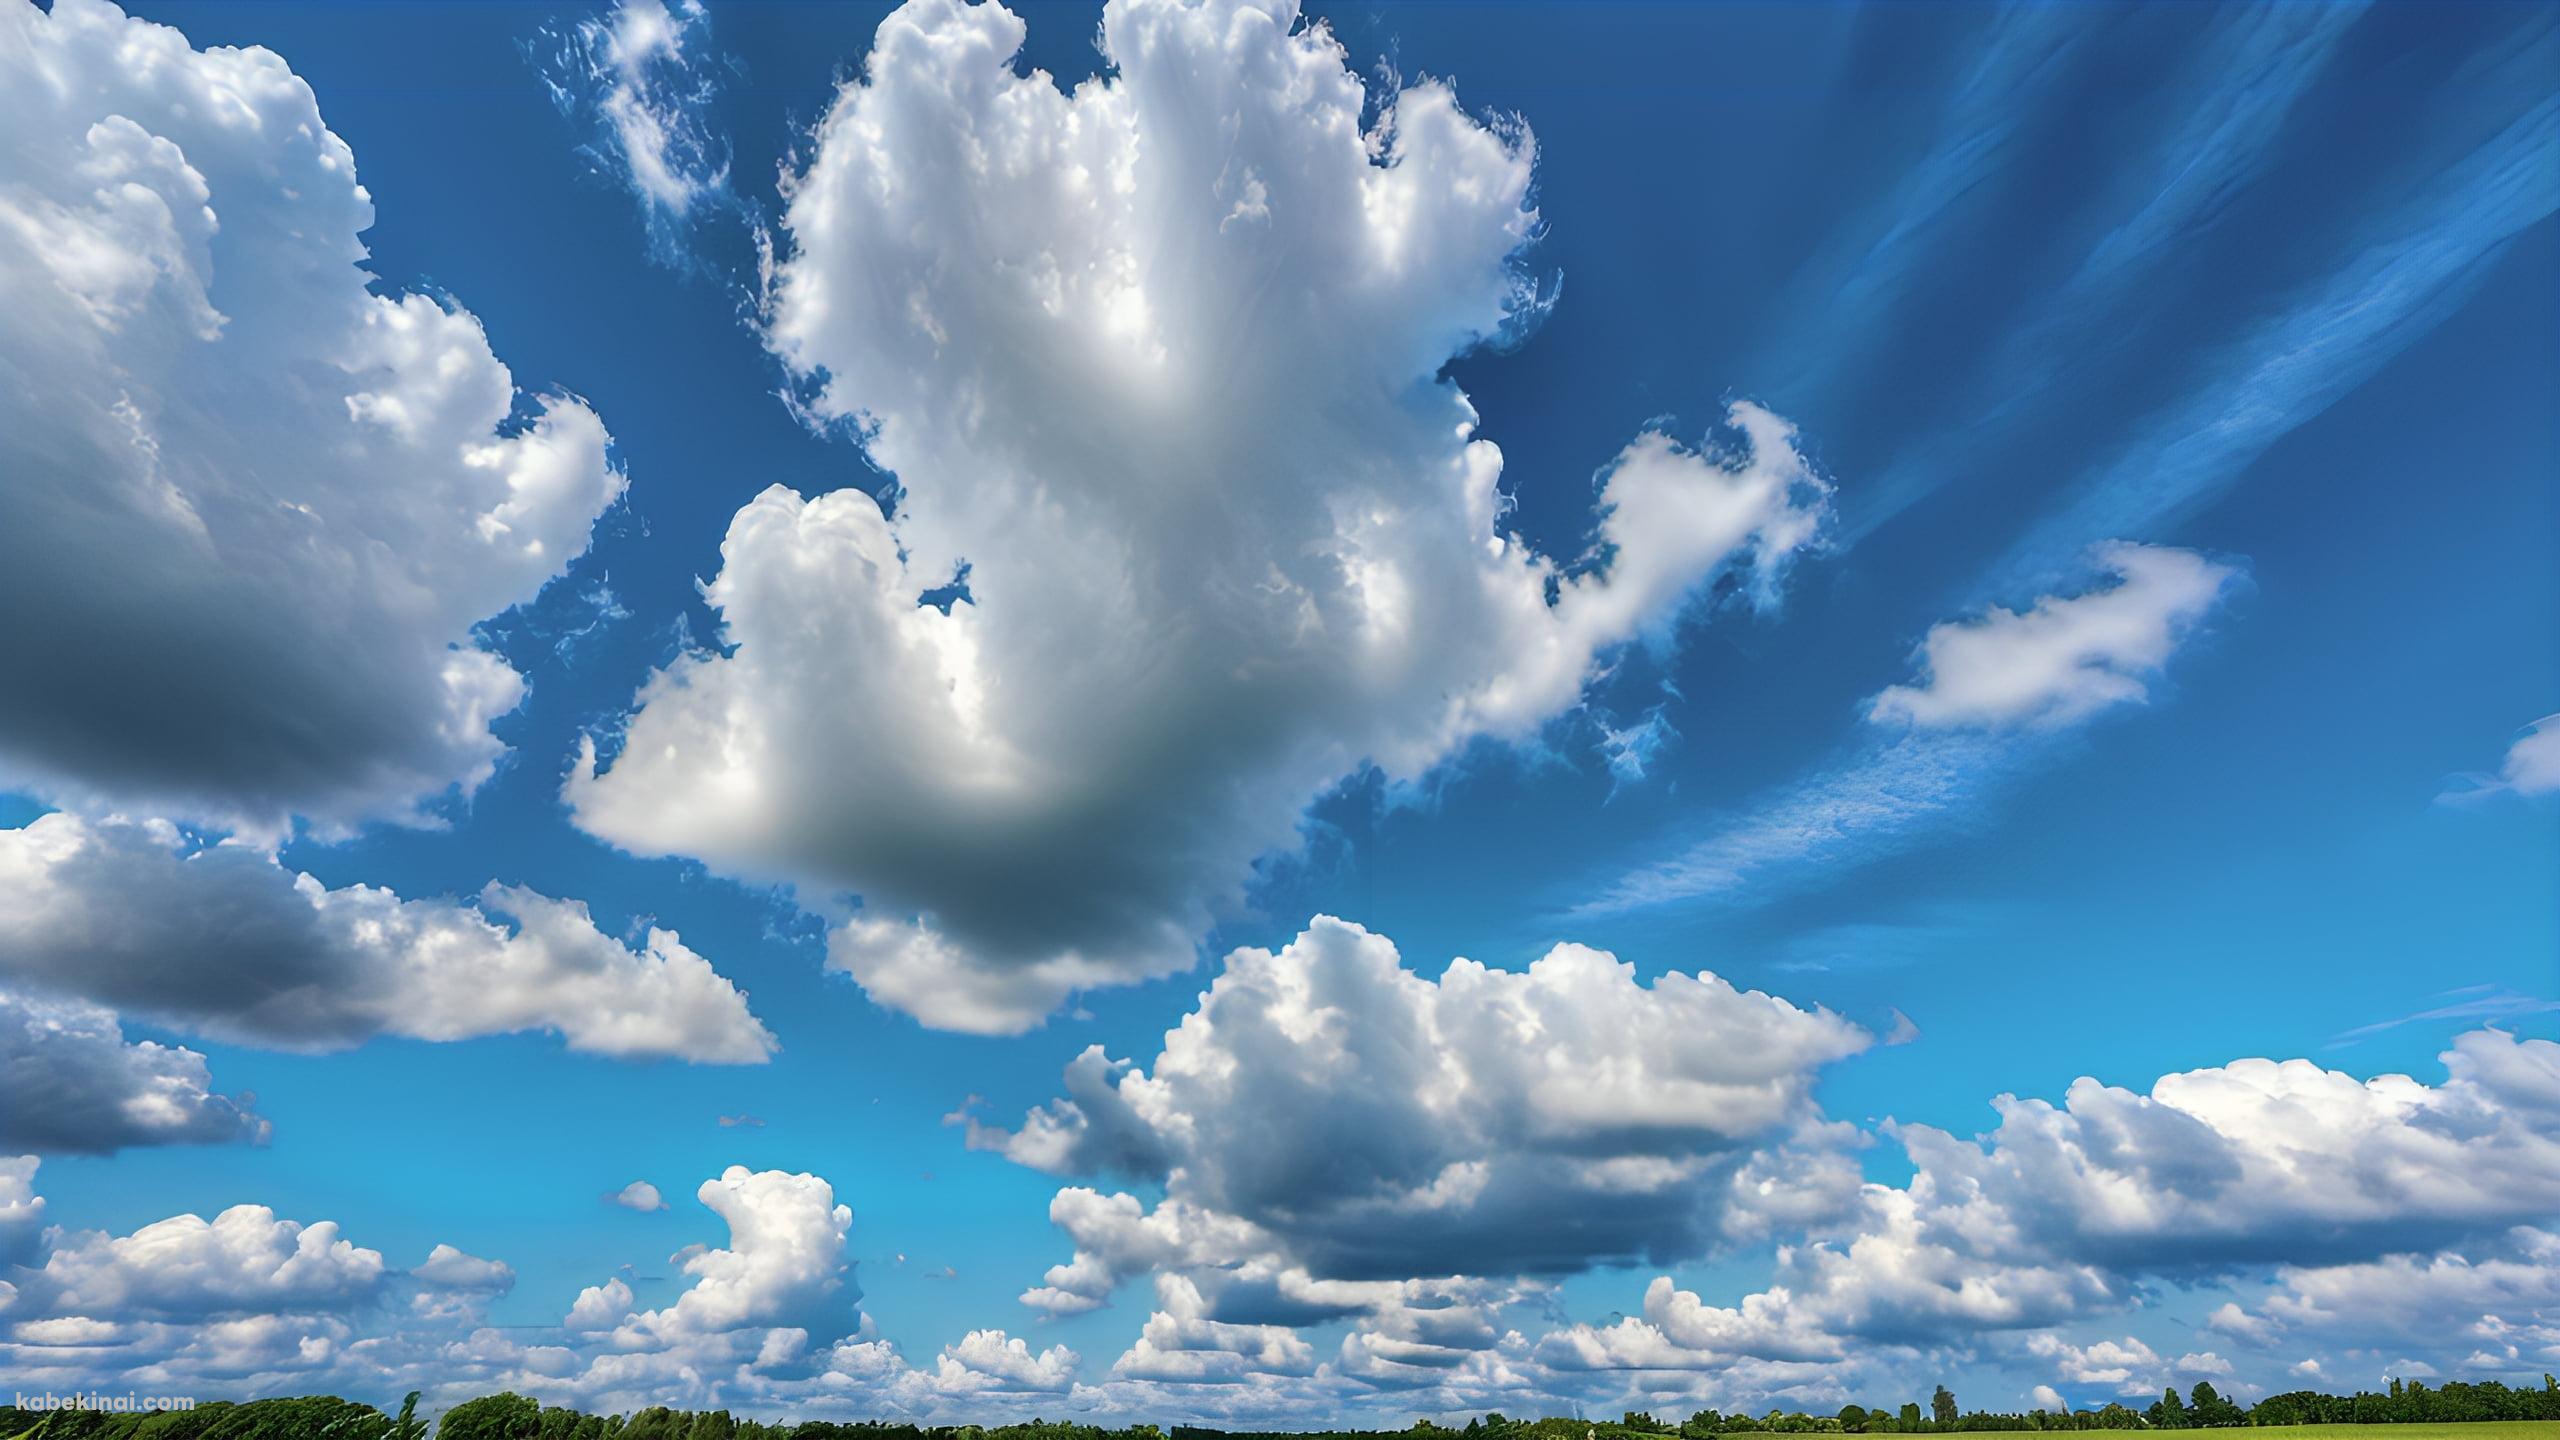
x=2397 y=278
x=1882 y=792
x=2237 y=89
x=639 y=82
x=2406 y=273
x=1880 y=252
x=2466 y=1003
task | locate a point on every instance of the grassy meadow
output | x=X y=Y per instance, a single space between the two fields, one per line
x=2466 y=1431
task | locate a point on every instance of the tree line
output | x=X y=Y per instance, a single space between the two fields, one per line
x=516 y=1417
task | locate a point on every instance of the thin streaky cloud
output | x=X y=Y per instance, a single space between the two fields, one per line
x=2246 y=86
x=2411 y=272
x=2470 y=1003
x=1988 y=686
x=1881 y=793
x=1982 y=115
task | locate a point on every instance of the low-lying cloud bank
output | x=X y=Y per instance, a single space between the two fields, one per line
x=1325 y=1109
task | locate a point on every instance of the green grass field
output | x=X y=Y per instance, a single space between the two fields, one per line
x=2474 y=1431
x=2477 y=1430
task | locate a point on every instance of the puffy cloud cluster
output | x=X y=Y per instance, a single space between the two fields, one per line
x=251 y=1301
x=2260 y=1160
x=222 y=941
x=2126 y=1367
x=1156 y=366
x=245 y=1301
x=243 y=1259
x=1327 y=1109
x=279 y=500
x=2066 y=1210
x=989 y=1360
x=2491 y=1307
x=785 y=1257
x=2066 y=657
x=75 y=1085
x=1948 y=1266
x=1181 y=1343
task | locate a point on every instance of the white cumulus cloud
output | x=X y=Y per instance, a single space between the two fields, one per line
x=638 y=1195
x=1328 y=1109
x=1155 y=363
x=244 y=1259
x=2064 y=1210
x=276 y=498
x=785 y=1256
x=76 y=1086
x=222 y=941
x=2066 y=657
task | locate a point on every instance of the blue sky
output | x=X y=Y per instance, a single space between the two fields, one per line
x=2261 y=296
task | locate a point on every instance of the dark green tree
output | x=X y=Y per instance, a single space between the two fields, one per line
x=2208 y=1407
x=406 y=1425
x=1942 y=1407
x=503 y=1416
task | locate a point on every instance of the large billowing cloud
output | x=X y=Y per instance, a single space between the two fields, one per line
x=2066 y=1210
x=76 y=1087
x=258 y=506
x=224 y=942
x=1331 y=1111
x=1156 y=366
x=2260 y=1160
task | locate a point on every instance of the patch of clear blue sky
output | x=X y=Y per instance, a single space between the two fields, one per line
x=1979 y=256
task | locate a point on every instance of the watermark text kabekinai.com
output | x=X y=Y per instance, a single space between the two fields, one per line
x=95 y=1400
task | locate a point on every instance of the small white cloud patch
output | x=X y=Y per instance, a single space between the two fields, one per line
x=639 y=1195
x=2065 y=658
